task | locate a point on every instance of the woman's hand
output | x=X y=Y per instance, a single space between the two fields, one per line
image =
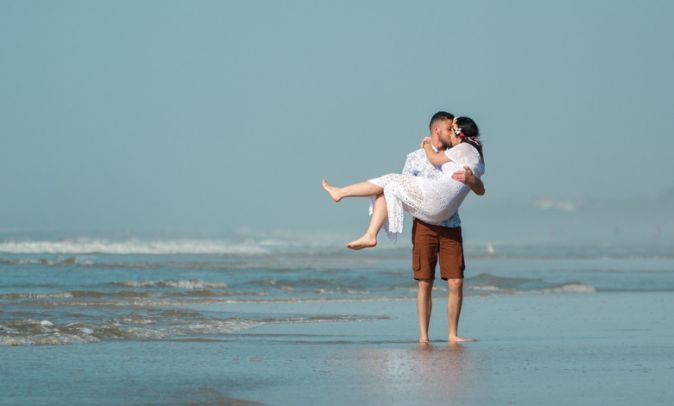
x=424 y=141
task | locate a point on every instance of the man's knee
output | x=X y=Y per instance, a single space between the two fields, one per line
x=455 y=285
x=425 y=285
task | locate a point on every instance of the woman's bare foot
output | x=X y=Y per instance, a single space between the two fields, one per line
x=457 y=339
x=332 y=190
x=363 y=242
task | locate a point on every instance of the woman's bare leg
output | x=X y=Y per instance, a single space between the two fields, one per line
x=377 y=220
x=357 y=189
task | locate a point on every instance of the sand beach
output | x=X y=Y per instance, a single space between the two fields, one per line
x=534 y=349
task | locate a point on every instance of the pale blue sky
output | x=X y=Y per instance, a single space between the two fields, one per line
x=209 y=116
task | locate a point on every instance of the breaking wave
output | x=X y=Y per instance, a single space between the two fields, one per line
x=133 y=247
x=142 y=327
x=176 y=284
x=492 y=284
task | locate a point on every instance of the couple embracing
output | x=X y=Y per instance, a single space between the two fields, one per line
x=434 y=182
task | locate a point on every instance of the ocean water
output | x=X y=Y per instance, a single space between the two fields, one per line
x=79 y=291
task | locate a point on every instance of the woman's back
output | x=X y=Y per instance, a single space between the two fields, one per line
x=443 y=195
x=462 y=155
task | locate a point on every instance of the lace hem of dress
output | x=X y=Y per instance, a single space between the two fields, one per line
x=400 y=192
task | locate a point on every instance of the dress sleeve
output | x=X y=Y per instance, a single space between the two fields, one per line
x=466 y=155
x=453 y=154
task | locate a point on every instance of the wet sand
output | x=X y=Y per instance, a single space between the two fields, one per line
x=602 y=348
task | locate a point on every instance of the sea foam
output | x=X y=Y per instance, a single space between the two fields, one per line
x=133 y=246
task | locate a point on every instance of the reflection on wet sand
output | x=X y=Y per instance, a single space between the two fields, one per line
x=435 y=372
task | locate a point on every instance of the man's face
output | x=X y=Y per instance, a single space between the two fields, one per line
x=445 y=132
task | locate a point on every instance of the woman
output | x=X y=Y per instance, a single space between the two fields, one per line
x=430 y=200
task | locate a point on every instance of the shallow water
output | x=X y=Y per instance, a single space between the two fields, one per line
x=85 y=291
x=604 y=348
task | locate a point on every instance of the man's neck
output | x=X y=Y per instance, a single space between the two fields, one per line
x=437 y=145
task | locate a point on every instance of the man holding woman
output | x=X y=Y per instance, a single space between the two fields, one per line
x=431 y=188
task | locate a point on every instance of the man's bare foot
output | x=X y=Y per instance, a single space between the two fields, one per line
x=457 y=339
x=363 y=242
x=332 y=190
x=424 y=346
x=424 y=340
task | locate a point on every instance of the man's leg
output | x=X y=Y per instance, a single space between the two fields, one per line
x=454 y=301
x=424 y=260
x=452 y=266
x=424 y=306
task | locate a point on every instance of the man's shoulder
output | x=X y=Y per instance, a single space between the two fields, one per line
x=416 y=153
x=419 y=163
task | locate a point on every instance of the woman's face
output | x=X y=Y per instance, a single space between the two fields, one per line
x=453 y=138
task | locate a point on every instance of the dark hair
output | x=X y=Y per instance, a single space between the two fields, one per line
x=471 y=133
x=441 y=115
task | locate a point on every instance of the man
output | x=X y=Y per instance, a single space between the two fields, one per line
x=443 y=242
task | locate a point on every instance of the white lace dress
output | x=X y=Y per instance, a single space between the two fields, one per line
x=431 y=200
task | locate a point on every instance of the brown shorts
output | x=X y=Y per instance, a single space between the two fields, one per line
x=429 y=242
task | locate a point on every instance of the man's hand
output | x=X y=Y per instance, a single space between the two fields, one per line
x=466 y=176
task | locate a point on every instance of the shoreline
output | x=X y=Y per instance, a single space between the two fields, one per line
x=533 y=349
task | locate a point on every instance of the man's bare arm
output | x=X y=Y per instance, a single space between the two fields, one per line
x=466 y=176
